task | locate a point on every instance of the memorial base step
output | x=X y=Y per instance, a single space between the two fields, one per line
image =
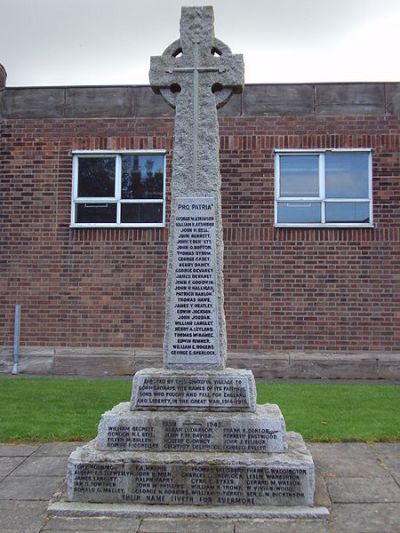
x=190 y=478
x=206 y=390
x=63 y=508
x=124 y=430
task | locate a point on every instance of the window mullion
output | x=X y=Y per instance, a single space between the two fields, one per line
x=371 y=210
x=118 y=180
x=277 y=185
x=321 y=169
x=74 y=187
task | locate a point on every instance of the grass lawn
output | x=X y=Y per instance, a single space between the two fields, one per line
x=48 y=409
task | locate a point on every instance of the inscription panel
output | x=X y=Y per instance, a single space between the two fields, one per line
x=179 y=483
x=234 y=391
x=124 y=430
x=193 y=335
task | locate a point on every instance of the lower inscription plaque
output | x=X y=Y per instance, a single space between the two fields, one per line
x=276 y=479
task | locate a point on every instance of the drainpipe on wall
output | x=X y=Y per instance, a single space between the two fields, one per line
x=17 y=332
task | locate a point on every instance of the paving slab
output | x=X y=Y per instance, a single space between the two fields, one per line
x=24 y=517
x=29 y=487
x=42 y=466
x=17 y=450
x=93 y=524
x=321 y=496
x=363 y=490
x=282 y=526
x=54 y=449
x=366 y=518
x=346 y=460
x=349 y=471
x=388 y=456
x=8 y=464
x=184 y=526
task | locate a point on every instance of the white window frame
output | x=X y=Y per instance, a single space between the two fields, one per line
x=117 y=197
x=320 y=152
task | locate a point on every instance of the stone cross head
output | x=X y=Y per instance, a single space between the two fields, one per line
x=196 y=60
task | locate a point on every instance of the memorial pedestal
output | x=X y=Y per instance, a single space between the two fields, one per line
x=191 y=463
x=197 y=460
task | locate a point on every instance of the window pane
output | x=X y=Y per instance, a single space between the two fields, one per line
x=144 y=213
x=142 y=177
x=347 y=212
x=96 y=177
x=96 y=213
x=346 y=175
x=299 y=175
x=300 y=212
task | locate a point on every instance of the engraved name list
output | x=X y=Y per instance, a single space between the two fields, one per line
x=194 y=314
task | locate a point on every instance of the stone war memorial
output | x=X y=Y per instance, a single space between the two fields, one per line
x=193 y=441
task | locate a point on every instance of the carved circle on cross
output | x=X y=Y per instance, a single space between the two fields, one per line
x=222 y=94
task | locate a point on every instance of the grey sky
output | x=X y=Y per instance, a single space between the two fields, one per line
x=109 y=42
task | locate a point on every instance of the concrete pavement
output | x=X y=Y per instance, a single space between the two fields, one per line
x=360 y=483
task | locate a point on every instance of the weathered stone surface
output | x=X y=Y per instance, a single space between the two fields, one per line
x=148 y=104
x=358 y=490
x=87 y=362
x=268 y=365
x=41 y=466
x=55 y=449
x=8 y=464
x=183 y=525
x=233 y=108
x=264 y=364
x=122 y=429
x=392 y=94
x=192 y=478
x=75 y=509
x=196 y=74
x=283 y=526
x=366 y=518
x=346 y=460
x=224 y=390
x=389 y=366
x=33 y=102
x=17 y=450
x=278 y=99
x=22 y=516
x=350 y=98
x=29 y=487
x=106 y=524
x=335 y=365
x=98 y=102
x=257 y=100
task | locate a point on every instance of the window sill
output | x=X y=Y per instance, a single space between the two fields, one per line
x=116 y=226
x=329 y=226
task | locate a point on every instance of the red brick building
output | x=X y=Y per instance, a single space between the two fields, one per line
x=307 y=268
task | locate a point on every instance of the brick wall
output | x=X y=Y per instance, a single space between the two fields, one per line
x=322 y=289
